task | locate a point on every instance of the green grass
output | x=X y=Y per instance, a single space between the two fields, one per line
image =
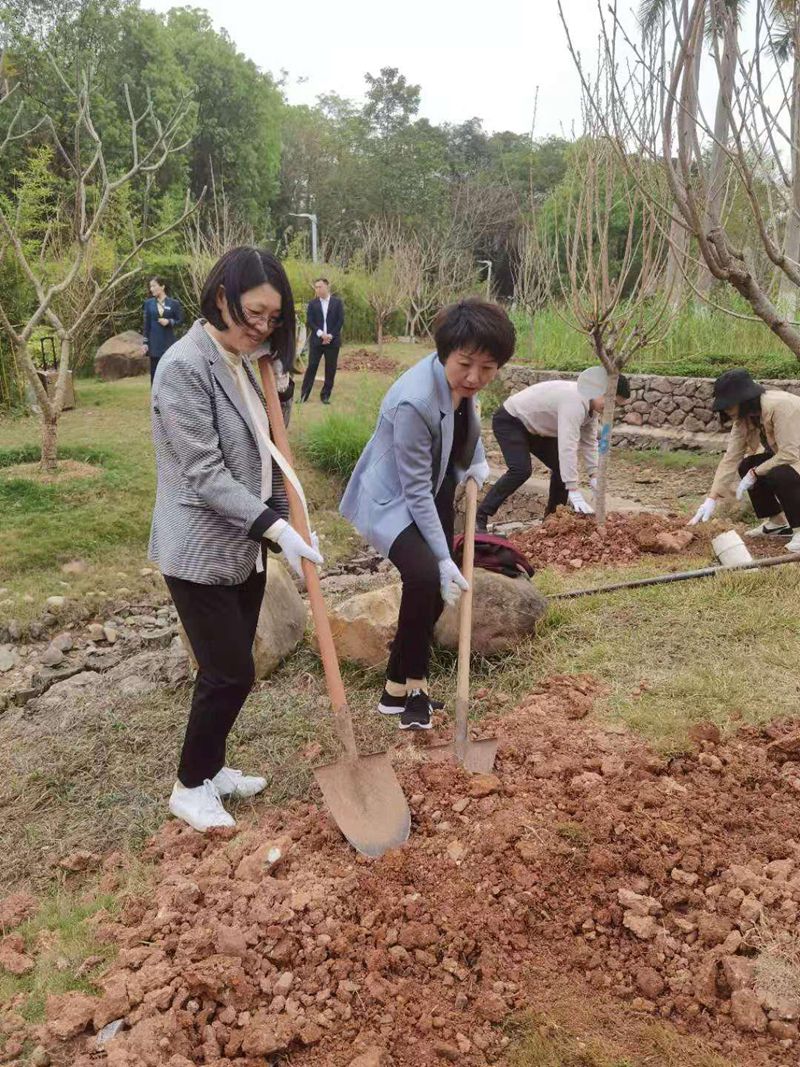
x=334 y=444
x=678 y=459
x=697 y=345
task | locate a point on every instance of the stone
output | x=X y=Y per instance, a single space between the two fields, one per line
x=40 y=1057
x=51 y=657
x=750 y=909
x=109 y=1032
x=281 y=622
x=96 y=632
x=364 y=626
x=504 y=611
x=9 y=658
x=738 y=972
x=264 y=860
x=373 y=1057
x=110 y=633
x=75 y=566
x=747 y=1015
x=644 y=927
x=649 y=982
x=121 y=356
x=63 y=642
x=114 y=1004
x=483 y=785
x=55 y=603
x=637 y=903
x=267 y=1034
x=712 y=928
x=69 y=1014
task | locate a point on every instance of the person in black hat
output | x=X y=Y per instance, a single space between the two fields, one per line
x=763 y=452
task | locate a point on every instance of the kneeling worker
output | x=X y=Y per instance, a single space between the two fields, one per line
x=763 y=452
x=552 y=421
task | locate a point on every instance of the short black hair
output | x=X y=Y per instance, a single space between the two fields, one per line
x=624 y=387
x=321 y=280
x=157 y=278
x=474 y=325
x=237 y=272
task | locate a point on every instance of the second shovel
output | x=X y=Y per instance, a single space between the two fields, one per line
x=475 y=756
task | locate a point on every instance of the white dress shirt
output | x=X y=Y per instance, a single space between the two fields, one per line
x=324 y=302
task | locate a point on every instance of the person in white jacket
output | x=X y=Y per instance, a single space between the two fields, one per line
x=552 y=421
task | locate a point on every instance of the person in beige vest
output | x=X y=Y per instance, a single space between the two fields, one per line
x=763 y=454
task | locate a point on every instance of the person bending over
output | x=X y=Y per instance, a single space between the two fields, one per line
x=401 y=494
x=763 y=451
x=552 y=421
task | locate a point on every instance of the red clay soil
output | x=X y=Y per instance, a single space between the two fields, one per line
x=661 y=885
x=569 y=541
x=362 y=359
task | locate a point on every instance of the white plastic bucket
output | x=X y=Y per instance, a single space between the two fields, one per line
x=730 y=549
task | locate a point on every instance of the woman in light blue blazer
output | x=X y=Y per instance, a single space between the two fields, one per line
x=401 y=495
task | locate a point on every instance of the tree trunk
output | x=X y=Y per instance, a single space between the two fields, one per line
x=787 y=290
x=604 y=448
x=49 y=460
x=380 y=334
x=716 y=170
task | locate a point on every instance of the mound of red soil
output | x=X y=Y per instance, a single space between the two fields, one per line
x=362 y=359
x=586 y=858
x=568 y=540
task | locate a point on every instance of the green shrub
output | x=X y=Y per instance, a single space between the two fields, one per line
x=335 y=443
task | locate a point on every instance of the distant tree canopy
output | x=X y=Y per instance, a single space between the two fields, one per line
x=347 y=161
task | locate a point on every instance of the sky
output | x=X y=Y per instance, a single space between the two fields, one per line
x=482 y=58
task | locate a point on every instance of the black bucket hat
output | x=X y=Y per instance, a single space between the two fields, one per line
x=734 y=387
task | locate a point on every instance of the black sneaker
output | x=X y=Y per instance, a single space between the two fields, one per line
x=416 y=715
x=389 y=705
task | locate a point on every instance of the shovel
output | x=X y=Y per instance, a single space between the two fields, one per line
x=475 y=756
x=362 y=792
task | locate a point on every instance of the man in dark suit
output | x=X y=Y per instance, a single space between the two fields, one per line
x=325 y=319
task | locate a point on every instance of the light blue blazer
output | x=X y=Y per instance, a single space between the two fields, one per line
x=405 y=462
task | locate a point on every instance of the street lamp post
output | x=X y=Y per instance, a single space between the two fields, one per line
x=309 y=215
x=488 y=264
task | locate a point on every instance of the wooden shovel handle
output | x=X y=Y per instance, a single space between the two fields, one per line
x=297 y=518
x=465 y=615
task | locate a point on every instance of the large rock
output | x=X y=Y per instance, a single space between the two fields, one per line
x=281 y=622
x=121 y=357
x=504 y=611
x=364 y=625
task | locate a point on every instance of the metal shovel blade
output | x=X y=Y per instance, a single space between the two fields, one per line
x=478 y=756
x=366 y=802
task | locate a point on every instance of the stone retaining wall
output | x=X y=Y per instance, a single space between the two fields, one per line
x=656 y=400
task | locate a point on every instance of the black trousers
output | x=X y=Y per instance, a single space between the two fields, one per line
x=517 y=445
x=315 y=353
x=778 y=490
x=220 y=622
x=421 y=603
x=153 y=364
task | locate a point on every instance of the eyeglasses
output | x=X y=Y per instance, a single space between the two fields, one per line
x=272 y=322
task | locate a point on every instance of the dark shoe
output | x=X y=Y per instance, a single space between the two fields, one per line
x=302 y=399
x=416 y=715
x=390 y=705
x=326 y=400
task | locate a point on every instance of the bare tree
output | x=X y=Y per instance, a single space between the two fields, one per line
x=386 y=285
x=760 y=151
x=93 y=191
x=612 y=285
x=533 y=278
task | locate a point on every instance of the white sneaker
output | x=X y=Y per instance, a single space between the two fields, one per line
x=794 y=544
x=231 y=783
x=767 y=529
x=200 y=807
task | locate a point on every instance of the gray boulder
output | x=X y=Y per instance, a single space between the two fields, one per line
x=504 y=612
x=121 y=357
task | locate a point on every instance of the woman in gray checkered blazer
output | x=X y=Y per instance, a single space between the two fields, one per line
x=220 y=496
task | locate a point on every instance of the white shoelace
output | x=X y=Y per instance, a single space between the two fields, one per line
x=212 y=801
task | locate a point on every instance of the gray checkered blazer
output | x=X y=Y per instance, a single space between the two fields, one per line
x=209 y=519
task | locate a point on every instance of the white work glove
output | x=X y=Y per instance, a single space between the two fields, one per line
x=579 y=503
x=296 y=550
x=746 y=483
x=451 y=582
x=704 y=512
x=479 y=472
